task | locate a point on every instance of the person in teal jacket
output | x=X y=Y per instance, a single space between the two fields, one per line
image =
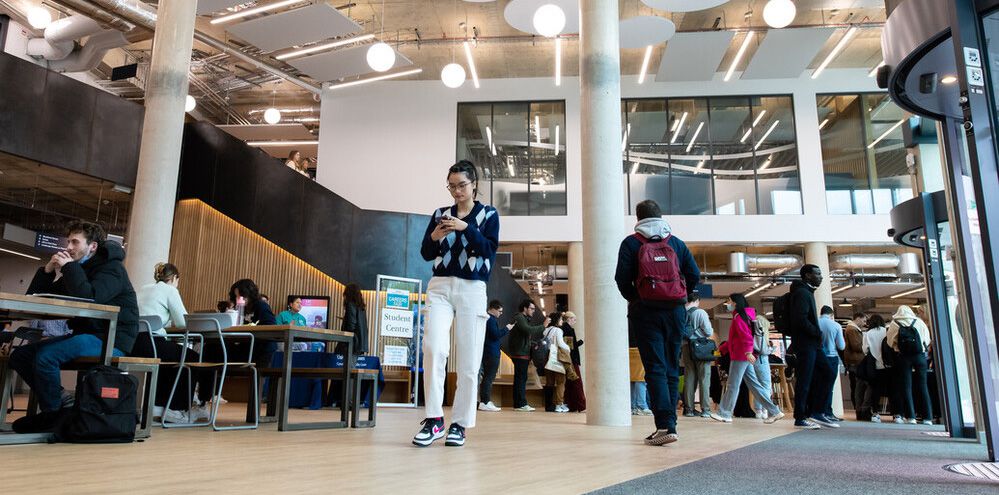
x=293 y=316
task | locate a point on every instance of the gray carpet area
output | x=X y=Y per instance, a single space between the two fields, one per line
x=859 y=458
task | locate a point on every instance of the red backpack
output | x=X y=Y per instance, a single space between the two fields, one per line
x=659 y=277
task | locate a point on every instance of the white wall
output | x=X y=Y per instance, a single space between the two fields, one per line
x=387 y=145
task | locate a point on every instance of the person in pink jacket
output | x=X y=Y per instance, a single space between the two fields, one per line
x=740 y=347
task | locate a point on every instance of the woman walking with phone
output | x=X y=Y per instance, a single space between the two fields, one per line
x=461 y=241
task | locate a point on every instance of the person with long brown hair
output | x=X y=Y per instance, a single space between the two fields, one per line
x=354 y=317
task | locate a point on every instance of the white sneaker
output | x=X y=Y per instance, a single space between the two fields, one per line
x=720 y=418
x=175 y=416
x=898 y=420
x=773 y=419
x=912 y=421
x=203 y=411
x=488 y=406
x=636 y=411
x=157 y=412
x=646 y=412
x=561 y=408
x=523 y=409
x=483 y=406
x=875 y=418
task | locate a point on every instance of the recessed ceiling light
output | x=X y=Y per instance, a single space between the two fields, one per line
x=948 y=79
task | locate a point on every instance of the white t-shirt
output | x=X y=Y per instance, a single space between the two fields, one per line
x=872 y=344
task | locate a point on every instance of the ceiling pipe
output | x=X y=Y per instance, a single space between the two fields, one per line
x=864 y=261
x=91 y=54
x=742 y=263
x=58 y=40
x=144 y=16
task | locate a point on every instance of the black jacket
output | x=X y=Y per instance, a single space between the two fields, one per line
x=802 y=318
x=102 y=278
x=356 y=320
x=627 y=270
x=568 y=331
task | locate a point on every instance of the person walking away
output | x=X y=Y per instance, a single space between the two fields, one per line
x=655 y=274
x=461 y=241
x=521 y=335
x=553 y=335
x=697 y=374
x=355 y=319
x=824 y=380
x=741 y=336
x=853 y=354
x=761 y=368
x=575 y=395
x=909 y=336
x=491 y=356
x=873 y=338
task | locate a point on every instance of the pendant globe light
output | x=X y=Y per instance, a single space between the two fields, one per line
x=381 y=56
x=549 y=20
x=190 y=103
x=453 y=75
x=272 y=116
x=779 y=13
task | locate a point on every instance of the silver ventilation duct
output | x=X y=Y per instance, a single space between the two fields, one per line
x=742 y=263
x=909 y=264
x=864 y=261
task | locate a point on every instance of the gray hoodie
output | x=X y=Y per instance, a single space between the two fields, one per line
x=651 y=228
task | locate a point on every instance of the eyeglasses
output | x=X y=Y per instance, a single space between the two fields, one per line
x=455 y=187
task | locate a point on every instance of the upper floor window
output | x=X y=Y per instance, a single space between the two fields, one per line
x=863 y=154
x=730 y=155
x=519 y=148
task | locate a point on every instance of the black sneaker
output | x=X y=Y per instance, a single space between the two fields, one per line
x=455 y=435
x=823 y=421
x=433 y=429
x=804 y=424
x=661 y=437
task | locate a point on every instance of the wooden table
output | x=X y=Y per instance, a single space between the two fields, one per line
x=21 y=307
x=289 y=334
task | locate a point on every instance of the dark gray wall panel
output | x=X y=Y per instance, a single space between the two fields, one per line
x=327 y=225
x=378 y=247
x=416 y=266
x=20 y=83
x=278 y=205
x=114 y=150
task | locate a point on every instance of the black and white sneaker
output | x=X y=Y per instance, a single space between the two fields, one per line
x=433 y=429
x=455 y=435
x=823 y=421
x=661 y=437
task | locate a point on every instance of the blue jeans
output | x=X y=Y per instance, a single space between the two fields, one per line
x=639 y=396
x=762 y=370
x=659 y=333
x=39 y=364
x=739 y=372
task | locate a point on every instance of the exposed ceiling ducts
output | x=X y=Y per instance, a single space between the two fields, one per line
x=886 y=265
x=744 y=263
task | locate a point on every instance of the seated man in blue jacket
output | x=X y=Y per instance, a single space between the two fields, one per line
x=657 y=287
x=91 y=268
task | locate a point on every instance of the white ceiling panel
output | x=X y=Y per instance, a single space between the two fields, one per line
x=786 y=53
x=332 y=66
x=693 y=56
x=212 y=6
x=295 y=27
x=267 y=132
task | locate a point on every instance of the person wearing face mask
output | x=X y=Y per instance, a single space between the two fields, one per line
x=741 y=336
x=91 y=268
x=806 y=342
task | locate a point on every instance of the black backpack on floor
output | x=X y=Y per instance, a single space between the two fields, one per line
x=105 y=409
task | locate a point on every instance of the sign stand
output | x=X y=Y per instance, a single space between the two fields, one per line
x=399 y=329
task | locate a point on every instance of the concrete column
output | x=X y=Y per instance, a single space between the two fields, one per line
x=816 y=253
x=577 y=293
x=151 y=223
x=608 y=395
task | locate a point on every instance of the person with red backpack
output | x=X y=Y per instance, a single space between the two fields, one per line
x=910 y=338
x=655 y=274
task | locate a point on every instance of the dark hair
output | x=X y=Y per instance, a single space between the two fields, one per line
x=826 y=310
x=223 y=306
x=693 y=297
x=247 y=288
x=468 y=168
x=92 y=231
x=495 y=304
x=875 y=321
x=740 y=307
x=556 y=318
x=291 y=154
x=164 y=272
x=291 y=299
x=859 y=315
x=352 y=295
x=806 y=269
x=526 y=303
x=648 y=209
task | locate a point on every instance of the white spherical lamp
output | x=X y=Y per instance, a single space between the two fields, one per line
x=779 y=13
x=549 y=20
x=272 y=116
x=39 y=17
x=381 y=57
x=453 y=75
x=189 y=103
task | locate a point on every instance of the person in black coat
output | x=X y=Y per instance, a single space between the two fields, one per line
x=355 y=319
x=575 y=397
x=806 y=341
x=91 y=268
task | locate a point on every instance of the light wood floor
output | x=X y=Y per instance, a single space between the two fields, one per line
x=537 y=452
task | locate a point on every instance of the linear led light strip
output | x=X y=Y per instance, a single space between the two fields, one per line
x=556 y=139
x=20 y=254
x=634 y=168
x=835 y=51
x=889 y=131
x=750 y=130
x=325 y=46
x=841 y=289
x=823 y=124
x=875 y=69
x=645 y=64
x=537 y=129
x=376 y=78
x=624 y=139
x=558 y=61
x=489 y=137
x=757 y=290
x=471 y=65
x=700 y=165
x=679 y=126
x=282 y=143
x=696 y=133
x=766 y=135
x=767 y=163
x=738 y=55
x=907 y=293
x=255 y=10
